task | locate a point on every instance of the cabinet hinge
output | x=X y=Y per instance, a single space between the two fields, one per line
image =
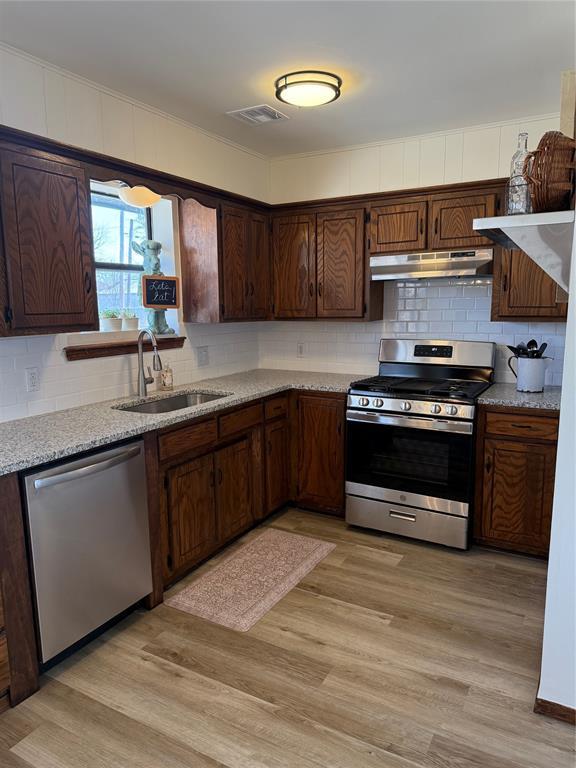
x=8 y=316
x=366 y=217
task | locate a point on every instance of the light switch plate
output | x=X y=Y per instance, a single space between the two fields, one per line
x=203 y=356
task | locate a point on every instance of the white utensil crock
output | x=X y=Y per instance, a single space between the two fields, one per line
x=531 y=373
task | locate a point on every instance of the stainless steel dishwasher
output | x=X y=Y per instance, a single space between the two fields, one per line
x=90 y=544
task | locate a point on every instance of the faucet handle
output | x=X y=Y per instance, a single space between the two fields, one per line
x=149 y=379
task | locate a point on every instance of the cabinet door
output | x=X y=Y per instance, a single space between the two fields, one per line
x=277 y=438
x=192 y=511
x=258 y=258
x=321 y=452
x=450 y=221
x=398 y=228
x=340 y=249
x=523 y=290
x=233 y=466
x=294 y=254
x=234 y=278
x=48 y=244
x=517 y=494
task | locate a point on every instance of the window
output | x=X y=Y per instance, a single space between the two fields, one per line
x=118 y=267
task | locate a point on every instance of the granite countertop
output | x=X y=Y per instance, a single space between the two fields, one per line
x=35 y=440
x=506 y=394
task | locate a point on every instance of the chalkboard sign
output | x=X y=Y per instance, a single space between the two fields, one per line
x=160 y=291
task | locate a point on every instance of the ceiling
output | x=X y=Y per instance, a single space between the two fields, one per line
x=409 y=67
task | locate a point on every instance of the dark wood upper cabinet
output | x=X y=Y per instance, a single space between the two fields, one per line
x=398 y=227
x=277 y=442
x=522 y=290
x=258 y=266
x=47 y=275
x=340 y=263
x=450 y=220
x=235 y=280
x=294 y=258
x=192 y=511
x=320 y=439
x=234 y=495
x=224 y=265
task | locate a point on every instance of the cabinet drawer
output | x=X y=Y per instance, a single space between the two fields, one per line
x=4 y=669
x=239 y=421
x=538 y=427
x=187 y=439
x=278 y=406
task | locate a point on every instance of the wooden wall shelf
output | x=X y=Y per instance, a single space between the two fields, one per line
x=114 y=348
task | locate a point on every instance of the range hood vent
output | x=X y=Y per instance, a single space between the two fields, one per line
x=545 y=237
x=427 y=265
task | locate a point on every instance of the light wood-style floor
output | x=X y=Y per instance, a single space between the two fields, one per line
x=390 y=654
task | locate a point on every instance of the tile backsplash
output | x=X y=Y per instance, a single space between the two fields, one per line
x=441 y=308
x=64 y=384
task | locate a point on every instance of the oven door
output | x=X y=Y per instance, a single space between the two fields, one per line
x=418 y=461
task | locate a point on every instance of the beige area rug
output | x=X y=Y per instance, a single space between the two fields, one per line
x=238 y=591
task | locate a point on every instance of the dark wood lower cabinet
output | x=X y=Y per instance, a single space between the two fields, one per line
x=515 y=481
x=233 y=467
x=192 y=511
x=320 y=436
x=277 y=442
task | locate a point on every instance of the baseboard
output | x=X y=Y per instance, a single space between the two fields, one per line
x=557 y=711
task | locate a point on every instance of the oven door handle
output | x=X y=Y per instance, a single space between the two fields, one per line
x=412 y=422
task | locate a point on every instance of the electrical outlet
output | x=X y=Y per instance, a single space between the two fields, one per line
x=299 y=349
x=203 y=356
x=32 y=379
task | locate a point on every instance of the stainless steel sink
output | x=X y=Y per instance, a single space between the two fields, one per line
x=173 y=403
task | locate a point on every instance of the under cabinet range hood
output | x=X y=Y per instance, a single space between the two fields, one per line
x=545 y=237
x=427 y=265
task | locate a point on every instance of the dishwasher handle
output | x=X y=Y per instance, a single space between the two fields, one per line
x=90 y=469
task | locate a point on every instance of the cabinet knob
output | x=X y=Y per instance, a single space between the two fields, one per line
x=319 y=289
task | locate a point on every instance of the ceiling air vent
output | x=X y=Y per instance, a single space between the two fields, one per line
x=257 y=115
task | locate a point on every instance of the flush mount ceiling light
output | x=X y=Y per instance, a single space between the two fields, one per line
x=308 y=88
x=139 y=197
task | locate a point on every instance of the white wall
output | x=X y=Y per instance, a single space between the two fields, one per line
x=42 y=99
x=469 y=154
x=444 y=308
x=558 y=672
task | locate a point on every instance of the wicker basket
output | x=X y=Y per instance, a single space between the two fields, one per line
x=549 y=171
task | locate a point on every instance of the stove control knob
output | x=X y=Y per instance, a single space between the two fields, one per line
x=405 y=405
x=378 y=402
x=451 y=410
x=435 y=408
x=364 y=401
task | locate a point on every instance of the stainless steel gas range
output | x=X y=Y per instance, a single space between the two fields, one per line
x=410 y=445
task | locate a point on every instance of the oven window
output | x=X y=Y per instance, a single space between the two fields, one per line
x=437 y=464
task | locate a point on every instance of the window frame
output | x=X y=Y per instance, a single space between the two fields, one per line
x=114 y=265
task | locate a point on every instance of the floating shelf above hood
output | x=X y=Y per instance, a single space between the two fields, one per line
x=545 y=237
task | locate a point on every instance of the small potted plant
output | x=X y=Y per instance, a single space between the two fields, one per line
x=129 y=320
x=110 y=320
